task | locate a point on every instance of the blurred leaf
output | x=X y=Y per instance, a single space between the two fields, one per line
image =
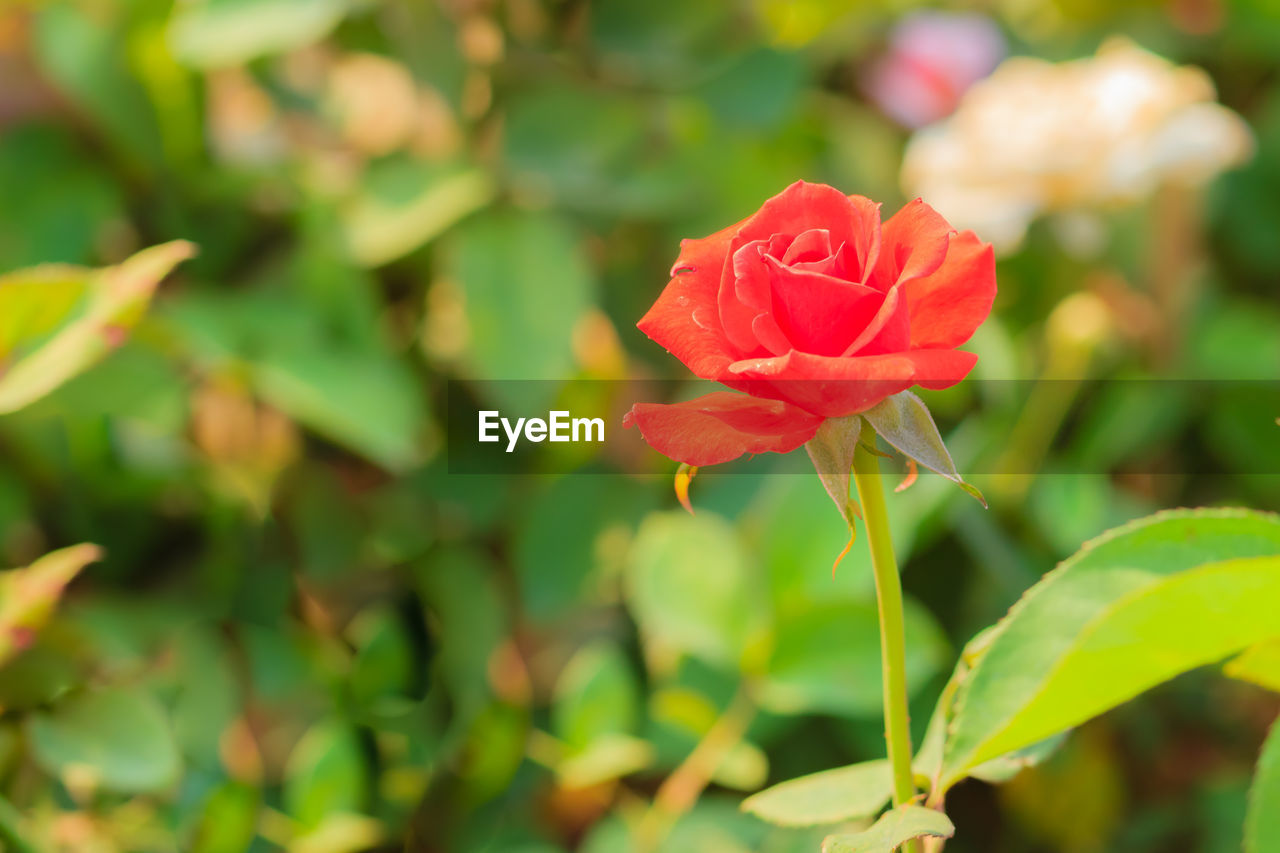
x=354 y=392
x=118 y=738
x=468 y=620
x=209 y=694
x=892 y=830
x=229 y=821
x=757 y=90
x=12 y=833
x=212 y=33
x=691 y=589
x=29 y=595
x=1073 y=508
x=360 y=399
x=856 y=792
x=326 y=775
x=609 y=756
x=559 y=538
x=383 y=664
x=744 y=767
x=663 y=41
x=117 y=297
x=826 y=658
x=36 y=677
x=507 y=264
x=1258 y=664
x=1262 y=823
x=82 y=50
x=595 y=695
x=340 y=833
x=405 y=204
x=1236 y=341
x=1136 y=606
x=34 y=301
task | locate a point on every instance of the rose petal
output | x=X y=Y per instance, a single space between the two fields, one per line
x=852 y=220
x=809 y=246
x=722 y=426
x=818 y=313
x=685 y=319
x=913 y=243
x=889 y=331
x=835 y=387
x=949 y=304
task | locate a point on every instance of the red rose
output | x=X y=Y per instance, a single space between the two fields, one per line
x=816 y=310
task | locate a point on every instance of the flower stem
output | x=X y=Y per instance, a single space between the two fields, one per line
x=867 y=477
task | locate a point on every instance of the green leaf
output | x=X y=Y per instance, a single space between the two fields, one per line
x=364 y=399
x=405 y=205
x=892 y=830
x=826 y=658
x=1262 y=821
x=1259 y=664
x=325 y=775
x=229 y=820
x=119 y=739
x=609 y=756
x=595 y=695
x=855 y=792
x=904 y=421
x=1135 y=607
x=34 y=301
x=116 y=299
x=28 y=596
x=213 y=33
x=1005 y=767
x=353 y=391
x=691 y=589
x=831 y=450
x=506 y=265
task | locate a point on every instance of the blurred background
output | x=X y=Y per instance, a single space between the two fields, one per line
x=306 y=635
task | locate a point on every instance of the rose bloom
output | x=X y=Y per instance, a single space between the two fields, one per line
x=1038 y=137
x=815 y=309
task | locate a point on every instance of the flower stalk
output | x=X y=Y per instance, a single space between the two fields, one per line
x=867 y=478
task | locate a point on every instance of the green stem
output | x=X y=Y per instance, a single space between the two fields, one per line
x=897 y=733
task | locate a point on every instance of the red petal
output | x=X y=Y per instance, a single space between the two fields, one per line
x=801 y=207
x=818 y=313
x=913 y=243
x=889 y=331
x=722 y=426
x=685 y=319
x=835 y=387
x=948 y=305
x=809 y=246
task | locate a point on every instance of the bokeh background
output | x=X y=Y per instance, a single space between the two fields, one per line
x=306 y=635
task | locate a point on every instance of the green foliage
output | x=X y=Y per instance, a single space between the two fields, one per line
x=891 y=831
x=1262 y=825
x=305 y=633
x=856 y=792
x=118 y=739
x=57 y=343
x=1134 y=608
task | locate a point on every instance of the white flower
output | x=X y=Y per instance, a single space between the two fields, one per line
x=1038 y=137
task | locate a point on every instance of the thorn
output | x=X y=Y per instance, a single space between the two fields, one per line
x=684 y=475
x=913 y=471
